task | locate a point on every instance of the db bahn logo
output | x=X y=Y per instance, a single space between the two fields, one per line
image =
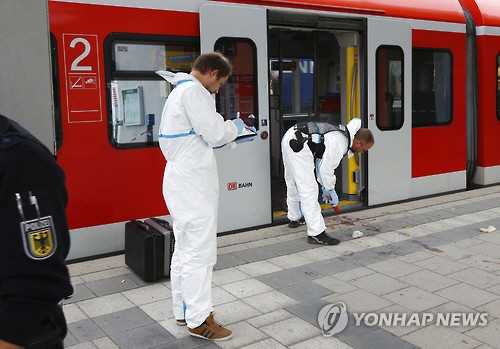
x=236 y=185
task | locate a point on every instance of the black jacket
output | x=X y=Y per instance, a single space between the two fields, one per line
x=33 y=234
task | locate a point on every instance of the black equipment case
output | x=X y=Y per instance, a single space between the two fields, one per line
x=167 y=231
x=149 y=247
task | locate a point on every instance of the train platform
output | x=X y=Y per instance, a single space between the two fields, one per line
x=427 y=259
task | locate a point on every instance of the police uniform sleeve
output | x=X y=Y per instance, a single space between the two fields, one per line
x=206 y=122
x=33 y=275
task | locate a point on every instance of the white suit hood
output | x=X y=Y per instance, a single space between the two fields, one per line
x=174 y=78
x=353 y=127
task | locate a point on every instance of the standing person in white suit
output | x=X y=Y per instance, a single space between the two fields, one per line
x=190 y=128
x=302 y=188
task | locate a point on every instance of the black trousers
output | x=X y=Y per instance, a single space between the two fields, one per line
x=52 y=331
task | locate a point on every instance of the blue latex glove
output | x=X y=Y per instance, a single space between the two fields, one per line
x=330 y=197
x=335 y=199
x=239 y=124
x=323 y=195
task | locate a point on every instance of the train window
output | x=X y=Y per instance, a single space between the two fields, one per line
x=431 y=87
x=390 y=82
x=239 y=94
x=498 y=86
x=136 y=94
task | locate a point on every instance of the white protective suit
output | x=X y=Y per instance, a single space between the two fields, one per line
x=302 y=189
x=189 y=128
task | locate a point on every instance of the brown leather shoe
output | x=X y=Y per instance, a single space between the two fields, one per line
x=211 y=330
x=181 y=322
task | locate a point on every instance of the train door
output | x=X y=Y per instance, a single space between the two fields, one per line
x=240 y=32
x=315 y=75
x=389 y=64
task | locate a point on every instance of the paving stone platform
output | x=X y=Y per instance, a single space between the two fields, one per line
x=424 y=256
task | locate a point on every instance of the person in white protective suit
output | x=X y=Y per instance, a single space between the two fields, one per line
x=190 y=127
x=302 y=188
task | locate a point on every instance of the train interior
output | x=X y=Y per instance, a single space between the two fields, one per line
x=315 y=75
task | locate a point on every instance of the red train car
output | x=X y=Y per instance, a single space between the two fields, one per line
x=401 y=67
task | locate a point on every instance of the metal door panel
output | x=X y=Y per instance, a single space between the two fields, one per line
x=389 y=161
x=244 y=172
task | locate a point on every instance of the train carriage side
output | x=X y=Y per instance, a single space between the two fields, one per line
x=110 y=109
x=409 y=90
x=438 y=110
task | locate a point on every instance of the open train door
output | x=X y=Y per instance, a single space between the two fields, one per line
x=240 y=32
x=389 y=109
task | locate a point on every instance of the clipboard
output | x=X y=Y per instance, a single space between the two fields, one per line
x=246 y=132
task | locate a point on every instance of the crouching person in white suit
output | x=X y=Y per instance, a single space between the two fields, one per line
x=302 y=156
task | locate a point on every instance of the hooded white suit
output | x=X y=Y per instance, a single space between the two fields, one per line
x=302 y=189
x=189 y=128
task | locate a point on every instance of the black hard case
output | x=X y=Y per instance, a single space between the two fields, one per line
x=144 y=250
x=163 y=227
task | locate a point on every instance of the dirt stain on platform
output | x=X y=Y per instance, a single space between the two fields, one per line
x=488 y=261
x=341 y=220
x=427 y=247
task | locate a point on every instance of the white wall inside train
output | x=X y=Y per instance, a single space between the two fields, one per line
x=25 y=70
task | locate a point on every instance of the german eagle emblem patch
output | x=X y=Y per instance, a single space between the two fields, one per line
x=39 y=237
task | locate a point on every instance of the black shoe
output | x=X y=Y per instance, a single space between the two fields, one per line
x=322 y=239
x=295 y=224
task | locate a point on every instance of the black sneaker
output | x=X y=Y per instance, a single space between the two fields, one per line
x=295 y=224
x=322 y=239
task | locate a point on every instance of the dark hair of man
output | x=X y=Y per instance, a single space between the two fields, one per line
x=365 y=136
x=208 y=62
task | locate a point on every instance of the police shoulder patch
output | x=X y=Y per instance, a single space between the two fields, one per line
x=39 y=237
